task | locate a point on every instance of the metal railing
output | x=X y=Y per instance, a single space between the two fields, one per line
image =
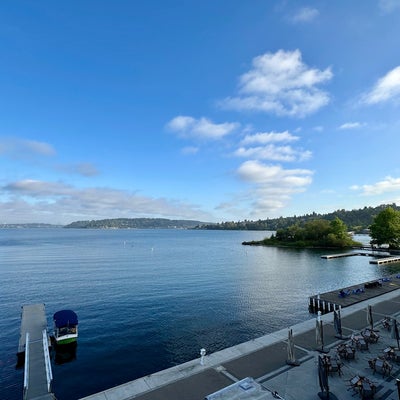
x=49 y=374
x=26 y=368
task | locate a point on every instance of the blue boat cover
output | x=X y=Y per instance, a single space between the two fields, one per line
x=64 y=318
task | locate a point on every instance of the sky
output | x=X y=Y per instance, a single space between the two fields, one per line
x=209 y=110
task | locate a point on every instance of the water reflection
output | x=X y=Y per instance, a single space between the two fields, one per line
x=64 y=353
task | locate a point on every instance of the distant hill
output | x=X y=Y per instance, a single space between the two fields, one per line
x=30 y=225
x=135 y=223
x=356 y=220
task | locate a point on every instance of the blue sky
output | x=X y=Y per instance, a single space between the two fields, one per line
x=211 y=110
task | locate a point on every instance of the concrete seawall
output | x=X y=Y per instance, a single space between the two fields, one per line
x=264 y=359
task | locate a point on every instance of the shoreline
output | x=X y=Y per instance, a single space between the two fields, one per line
x=263 y=358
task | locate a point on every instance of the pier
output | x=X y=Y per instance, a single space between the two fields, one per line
x=380 y=256
x=387 y=260
x=348 y=296
x=33 y=353
x=331 y=256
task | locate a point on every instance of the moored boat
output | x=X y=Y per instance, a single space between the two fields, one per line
x=65 y=327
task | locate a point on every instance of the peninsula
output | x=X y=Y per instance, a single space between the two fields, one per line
x=318 y=233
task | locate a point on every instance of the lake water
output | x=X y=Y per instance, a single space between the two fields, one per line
x=150 y=299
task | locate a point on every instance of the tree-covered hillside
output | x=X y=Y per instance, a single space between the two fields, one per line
x=356 y=220
x=135 y=223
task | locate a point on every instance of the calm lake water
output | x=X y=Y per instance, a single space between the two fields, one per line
x=150 y=299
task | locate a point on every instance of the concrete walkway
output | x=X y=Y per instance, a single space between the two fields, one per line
x=264 y=359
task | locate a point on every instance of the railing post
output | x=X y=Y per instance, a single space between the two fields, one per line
x=26 y=368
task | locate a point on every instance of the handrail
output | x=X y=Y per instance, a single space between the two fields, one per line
x=49 y=374
x=26 y=368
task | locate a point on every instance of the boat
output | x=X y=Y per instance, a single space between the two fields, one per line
x=65 y=327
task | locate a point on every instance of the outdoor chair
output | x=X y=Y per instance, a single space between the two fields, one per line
x=354 y=385
x=367 y=390
x=370 y=336
x=335 y=366
x=391 y=354
x=359 y=342
x=362 y=344
x=396 y=358
x=350 y=353
x=343 y=293
x=386 y=323
x=380 y=366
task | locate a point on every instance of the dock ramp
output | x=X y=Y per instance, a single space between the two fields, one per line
x=33 y=348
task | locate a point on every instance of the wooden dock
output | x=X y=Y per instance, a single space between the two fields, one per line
x=344 y=297
x=33 y=349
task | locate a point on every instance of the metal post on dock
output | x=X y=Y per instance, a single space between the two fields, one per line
x=202 y=354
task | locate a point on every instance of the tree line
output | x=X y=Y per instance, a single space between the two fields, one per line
x=384 y=230
x=134 y=223
x=356 y=220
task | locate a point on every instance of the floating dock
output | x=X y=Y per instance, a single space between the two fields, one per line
x=387 y=260
x=33 y=353
x=380 y=256
x=331 y=256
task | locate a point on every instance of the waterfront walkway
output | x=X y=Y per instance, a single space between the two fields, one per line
x=264 y=359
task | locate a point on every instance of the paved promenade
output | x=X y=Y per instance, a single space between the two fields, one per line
x=264 y=359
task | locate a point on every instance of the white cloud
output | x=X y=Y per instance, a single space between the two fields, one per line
x=387 y=88
x=305 y=14
x=272 y=185
x=256 y=172
x=388 y=184
x=269 y=137
x=41 y=201
x=388 y=6
x=24 y=148
x=268 y=150
x=280 y=83
x=200 y=128
x=273 y=153
x=351 y=125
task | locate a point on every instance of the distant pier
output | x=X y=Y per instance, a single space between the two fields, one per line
x=387 y=260
x=33 y=353
x=341 y=255
x=379 y=261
